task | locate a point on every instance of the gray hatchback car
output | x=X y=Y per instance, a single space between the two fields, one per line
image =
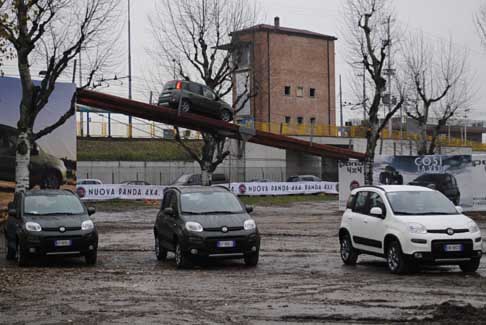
x=194 y=97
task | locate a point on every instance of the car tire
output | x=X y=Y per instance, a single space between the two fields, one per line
x=185 y=106
x=22 y=258
x=160 y=251
x=225 y=115
x=252 y=259
x=395 y=258
x=51 y=181
x=471 y=266
x=349 y=255
x=10 y=255
x=181 y=258
x=91 y=257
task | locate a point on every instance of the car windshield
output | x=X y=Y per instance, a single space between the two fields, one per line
x=210 y=202
x=52 y=204
x=182 y=179
x=420 y=203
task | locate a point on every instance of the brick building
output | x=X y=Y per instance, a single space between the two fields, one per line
x=291 y=73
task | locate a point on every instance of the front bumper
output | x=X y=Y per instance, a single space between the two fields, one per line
x=205 y=244
x=44 y=243
x=435 y=252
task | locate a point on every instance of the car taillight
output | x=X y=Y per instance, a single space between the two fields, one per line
x=179 y=85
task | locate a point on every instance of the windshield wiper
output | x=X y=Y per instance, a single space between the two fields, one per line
x=404 y=213
x=52 y=214
x=433 y=213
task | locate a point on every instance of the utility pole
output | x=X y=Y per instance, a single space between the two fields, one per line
x=390 y=124
x=130 y=126
x=341 y=106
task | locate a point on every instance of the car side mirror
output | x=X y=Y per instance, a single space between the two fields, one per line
x=459 y=209
x=169 y=212
x=376 y=212
x=91 y=210
x=432 y=186
x=249 y=209
x=12 y=213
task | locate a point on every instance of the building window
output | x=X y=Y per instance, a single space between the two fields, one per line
x=312 y=92
x=300 y=91
x=287 y=119
x=287 y=91
x=313 y=120
x=300 y=120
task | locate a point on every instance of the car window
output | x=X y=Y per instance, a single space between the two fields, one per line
x=361 y=203
x=375 y=201
x=52 y=204
x=209 y=93
x=350 y=203
x=170 y=85
x=166 y=199
x=195 y=88
x=308 y=179
x=210 y=202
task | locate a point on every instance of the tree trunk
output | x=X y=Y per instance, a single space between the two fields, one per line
x=206 y=174
x=370 y=158
x=22 y=162
x=422 y=143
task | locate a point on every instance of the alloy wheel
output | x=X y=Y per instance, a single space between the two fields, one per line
x=185 y=107
x=345 y=249
x=157 y=246
x=393 y=259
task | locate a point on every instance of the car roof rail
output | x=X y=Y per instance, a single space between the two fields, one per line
x=372 y=186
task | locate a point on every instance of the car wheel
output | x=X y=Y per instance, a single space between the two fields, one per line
x=471 y=266
x=348 y=254
x=225 y=115
x=252 y=259
x=51 y=181
x=160 y=251
x=185 y=106
x=21 y=256
x=91 y=257
x=395 y=259
x=10 y=251
x=181 y=258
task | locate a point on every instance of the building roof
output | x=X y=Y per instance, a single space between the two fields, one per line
x=284 y=30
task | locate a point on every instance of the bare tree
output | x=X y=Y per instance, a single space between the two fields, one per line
x=189 y=37
x=481 y=22
x=369 y=31
x=50 y=32
x=437 y=73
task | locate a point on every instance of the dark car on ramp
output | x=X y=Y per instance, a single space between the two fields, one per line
x=201 y=222
x=443 y=182
x=46 y=170
x=194 y=97
x=49 y=223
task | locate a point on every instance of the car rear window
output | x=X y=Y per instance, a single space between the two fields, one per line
x=170 y=85
x=52 y=204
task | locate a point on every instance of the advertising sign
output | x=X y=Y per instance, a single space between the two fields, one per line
x=154 y=192
x=478 y=184
x=351 y=176
x=53 y=157
x=451 y=175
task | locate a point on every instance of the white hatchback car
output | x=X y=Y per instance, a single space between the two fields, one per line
x=409 y=226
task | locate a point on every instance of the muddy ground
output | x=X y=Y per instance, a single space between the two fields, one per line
x=300 y=279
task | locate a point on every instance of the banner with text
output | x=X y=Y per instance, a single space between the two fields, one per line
x=154 y=192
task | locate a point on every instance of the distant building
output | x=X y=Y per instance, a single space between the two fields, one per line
x=289 y=75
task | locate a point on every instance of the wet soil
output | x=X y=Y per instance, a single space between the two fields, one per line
x=300 y=279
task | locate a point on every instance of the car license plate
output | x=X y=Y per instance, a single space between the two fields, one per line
x=62 y=243
x=226 y=243
x=453 y=248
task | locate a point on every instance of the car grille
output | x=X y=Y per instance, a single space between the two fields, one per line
x=438 y=248
x=444 y=231
x=57 y=229
x=218 y=229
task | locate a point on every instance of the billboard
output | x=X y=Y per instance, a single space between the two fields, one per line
x=53 y=157
x=462 y=178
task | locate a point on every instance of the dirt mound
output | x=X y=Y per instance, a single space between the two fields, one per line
x=456 y=311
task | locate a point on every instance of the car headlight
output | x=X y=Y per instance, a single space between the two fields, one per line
x=194 y=226
x=473 y=227
x=33 y=226
x=87 y=225
x=249 y=224
x=417 y=228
